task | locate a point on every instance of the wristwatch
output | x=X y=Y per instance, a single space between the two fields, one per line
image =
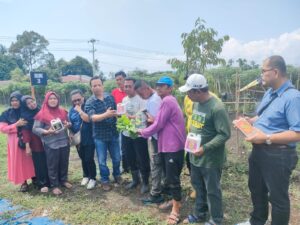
x=268 y=140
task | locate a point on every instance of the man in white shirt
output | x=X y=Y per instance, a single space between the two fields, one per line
x=136 y=149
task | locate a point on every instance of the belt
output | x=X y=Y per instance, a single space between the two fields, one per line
x=273 y=146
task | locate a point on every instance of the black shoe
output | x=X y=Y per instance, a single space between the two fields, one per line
x=153 y=199
x=124 y=171
x=166 y=191
x=24 y=187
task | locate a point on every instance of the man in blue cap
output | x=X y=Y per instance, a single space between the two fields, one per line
x=169 y=125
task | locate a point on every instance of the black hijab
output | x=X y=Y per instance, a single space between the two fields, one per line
x=28 y=114
x=12 y=115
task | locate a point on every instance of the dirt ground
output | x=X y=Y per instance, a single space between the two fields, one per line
x=238 y=202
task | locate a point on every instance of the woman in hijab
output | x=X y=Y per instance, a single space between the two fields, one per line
x=56 y=141
x=20 y=166
x=33 y=143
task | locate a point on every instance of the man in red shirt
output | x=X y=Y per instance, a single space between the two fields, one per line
x=119 y=93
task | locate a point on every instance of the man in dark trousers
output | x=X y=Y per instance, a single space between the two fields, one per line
x=210 y=120
x=274 y=145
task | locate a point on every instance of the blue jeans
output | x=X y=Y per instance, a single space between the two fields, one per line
x=114 y=150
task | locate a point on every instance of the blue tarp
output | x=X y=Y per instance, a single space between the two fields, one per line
x=13 y=215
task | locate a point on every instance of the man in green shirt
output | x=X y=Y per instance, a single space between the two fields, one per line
x=210 y=120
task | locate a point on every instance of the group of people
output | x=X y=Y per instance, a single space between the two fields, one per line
x=158 y=151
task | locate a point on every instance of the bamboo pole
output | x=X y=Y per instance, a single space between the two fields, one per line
x=237 y=88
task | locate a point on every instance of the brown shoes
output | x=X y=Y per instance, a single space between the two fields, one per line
x=106 y=187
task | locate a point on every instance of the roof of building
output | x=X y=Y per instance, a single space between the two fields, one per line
x=70 y=78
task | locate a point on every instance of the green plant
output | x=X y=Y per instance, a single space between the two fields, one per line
x=126 y=124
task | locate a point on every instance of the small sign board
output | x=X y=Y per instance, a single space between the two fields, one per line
x=38 y=78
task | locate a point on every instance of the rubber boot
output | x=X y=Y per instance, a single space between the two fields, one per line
x=135 y=180
x=145 y=184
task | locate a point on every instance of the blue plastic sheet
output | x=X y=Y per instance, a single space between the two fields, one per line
x=14 y=215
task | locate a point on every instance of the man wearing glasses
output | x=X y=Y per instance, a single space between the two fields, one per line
x=86 y=148
x=274 y=145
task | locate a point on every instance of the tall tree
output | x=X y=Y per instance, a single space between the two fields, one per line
x=7 y=64
x=3 y=50
x=51 y=67
x=78 y=66
x=31 y=47
x=201 y=48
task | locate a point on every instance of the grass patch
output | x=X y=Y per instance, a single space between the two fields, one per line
x=121 y=207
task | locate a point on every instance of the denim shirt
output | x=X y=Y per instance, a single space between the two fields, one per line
x=283 y=113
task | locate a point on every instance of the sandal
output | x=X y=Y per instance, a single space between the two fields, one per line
x=56 y=191
x=166 y=205
x=24 y=187
x=44 y=190
x=194 y=219
x=173 y=219
x=67 y=185
x=106 y=187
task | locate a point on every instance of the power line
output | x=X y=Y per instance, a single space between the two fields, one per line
x=117 y=65
x=99 y=42
x=103 y=53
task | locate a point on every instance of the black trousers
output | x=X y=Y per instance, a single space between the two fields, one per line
x=57 y=163
x=86 y=154
x=125 y=164
x=173 y=163
x=40 y=168
x=270 y=168
x=188 y=161
x=137 y=155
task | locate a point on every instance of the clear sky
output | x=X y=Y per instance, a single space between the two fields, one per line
x=145 y=33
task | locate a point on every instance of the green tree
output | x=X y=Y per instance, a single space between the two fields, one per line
x=7 y=64
x=78 y=66
x=3 y=50
x=50 y=67
x=17 y=75
x=243 y=64
x=31 y=47
x=201 y=48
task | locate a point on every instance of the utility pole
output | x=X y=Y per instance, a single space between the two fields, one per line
x=93 y=52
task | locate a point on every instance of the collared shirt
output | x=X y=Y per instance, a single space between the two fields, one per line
x=152 y=105
x=283 y=113
x=105 y=129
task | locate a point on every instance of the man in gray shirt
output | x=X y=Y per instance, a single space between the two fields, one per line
x=152 y=106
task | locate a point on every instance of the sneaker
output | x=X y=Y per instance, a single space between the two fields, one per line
x=84 y=181
x=91 y=185
x=153 y=199
x=244 y=223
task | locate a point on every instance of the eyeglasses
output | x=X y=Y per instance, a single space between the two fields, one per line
x=76 y=100
x=263 y=70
